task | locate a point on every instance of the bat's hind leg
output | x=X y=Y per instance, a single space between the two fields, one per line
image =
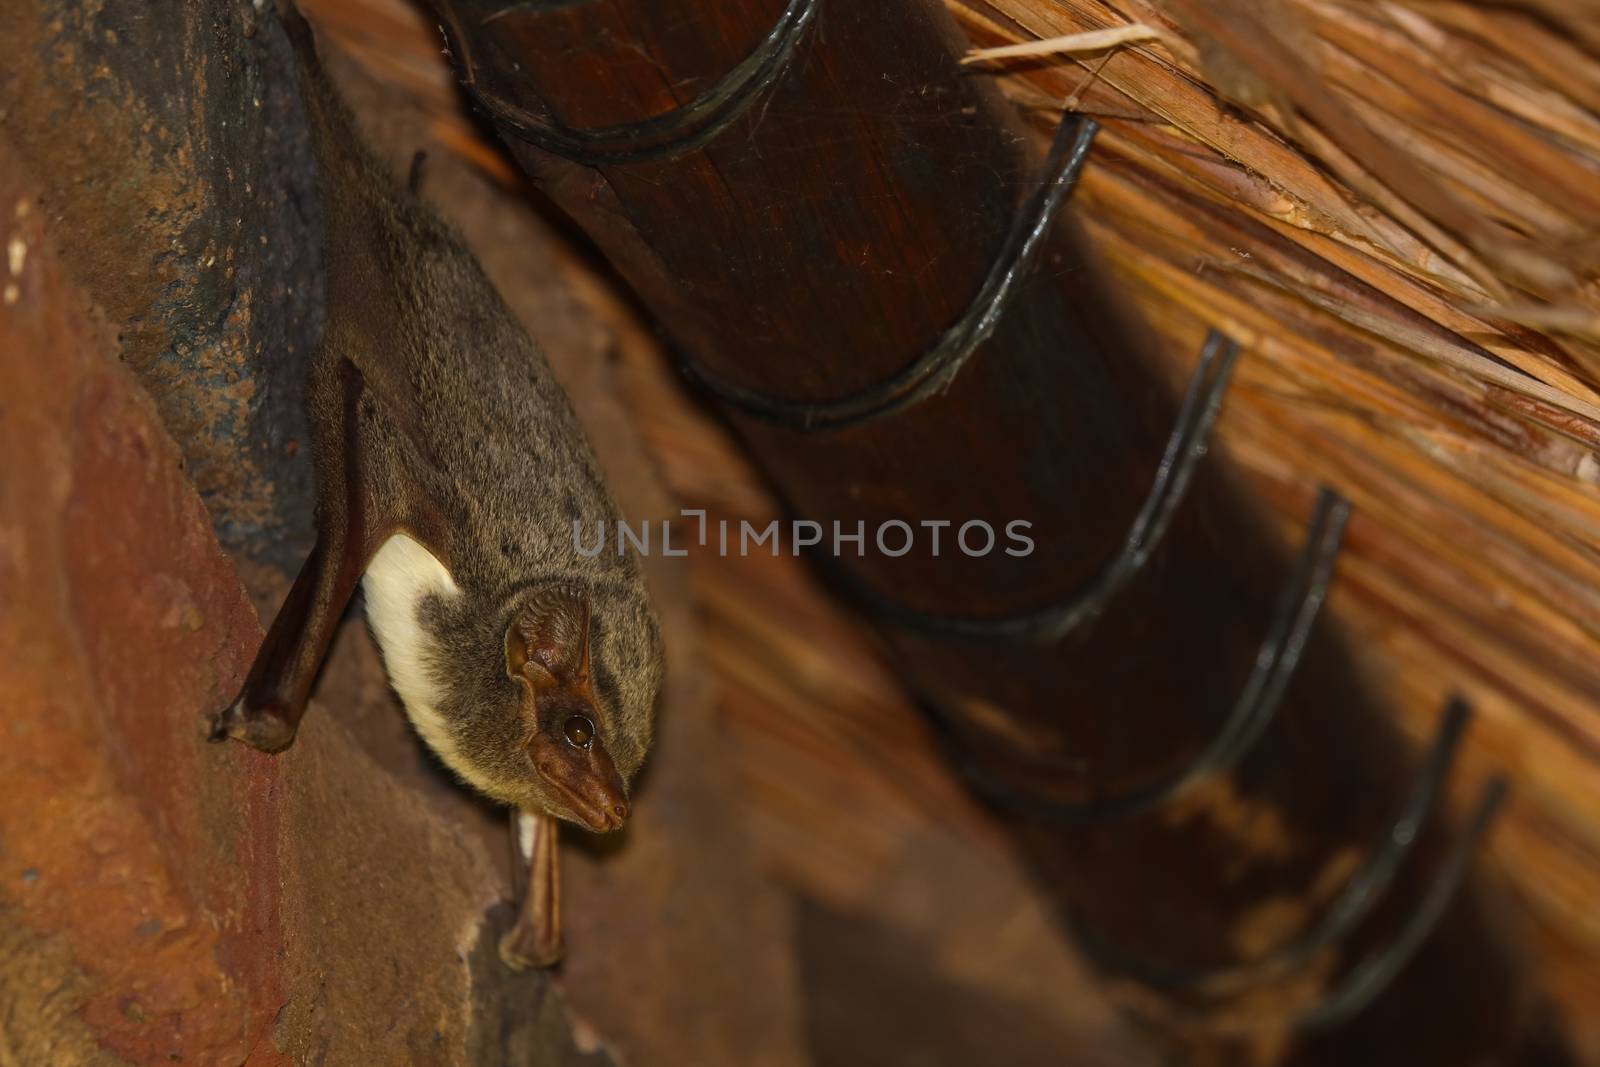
x=535 y=940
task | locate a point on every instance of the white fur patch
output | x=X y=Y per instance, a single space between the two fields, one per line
x=400 y=577
x=525 y=828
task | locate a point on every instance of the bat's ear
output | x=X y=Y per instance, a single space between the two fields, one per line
x=547 y=643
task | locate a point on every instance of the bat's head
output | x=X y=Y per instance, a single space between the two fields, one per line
x=581 y=748
x=544 y=699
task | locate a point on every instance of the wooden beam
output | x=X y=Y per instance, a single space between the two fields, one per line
x=810 y=197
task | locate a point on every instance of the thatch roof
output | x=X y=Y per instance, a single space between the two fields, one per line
x=1398 y=206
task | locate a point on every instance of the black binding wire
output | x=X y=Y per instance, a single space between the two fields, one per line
x=1355 y=901
x=934 y=370
x=663 y=136
x=1365 y=981
x=1368 y=884
x=1295 y=615
x=1185 y=448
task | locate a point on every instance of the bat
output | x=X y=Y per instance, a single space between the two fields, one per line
x=450 y=471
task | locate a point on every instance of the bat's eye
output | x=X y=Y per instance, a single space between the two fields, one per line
x=579 y=731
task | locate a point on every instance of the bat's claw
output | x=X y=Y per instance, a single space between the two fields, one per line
x=522 y=952
x=264 y=728
x=219 y=727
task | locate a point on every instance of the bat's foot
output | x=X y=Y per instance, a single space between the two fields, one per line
x=522 y=948
x=266 y=728
x=535 y=940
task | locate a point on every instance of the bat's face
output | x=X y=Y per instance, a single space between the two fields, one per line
x=544 y=702
x=574 y=775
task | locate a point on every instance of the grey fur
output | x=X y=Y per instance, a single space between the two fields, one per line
x=466 y=442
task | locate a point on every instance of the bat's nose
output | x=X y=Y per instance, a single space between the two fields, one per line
x=610 y=804
x=604 y=817
x=618 y=815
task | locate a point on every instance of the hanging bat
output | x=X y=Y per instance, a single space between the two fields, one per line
x=450 y=471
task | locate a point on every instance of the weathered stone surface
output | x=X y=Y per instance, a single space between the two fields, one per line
x=127 y=844
x=169 y=155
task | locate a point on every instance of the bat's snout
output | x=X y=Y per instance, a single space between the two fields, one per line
x=585 y=779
